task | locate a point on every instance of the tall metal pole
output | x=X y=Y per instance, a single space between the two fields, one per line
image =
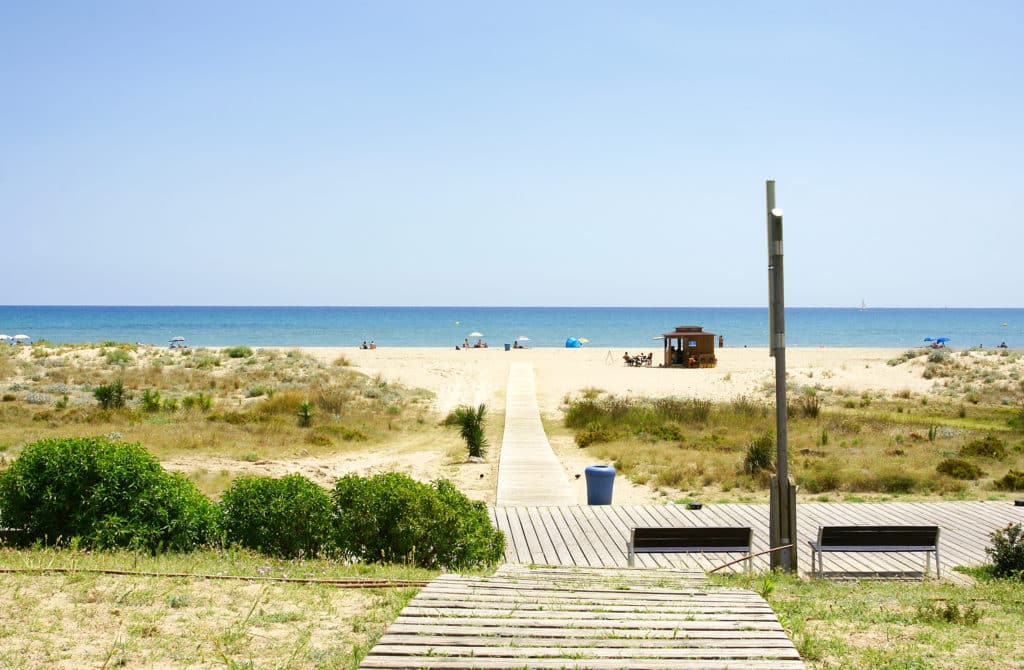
x=782 y=512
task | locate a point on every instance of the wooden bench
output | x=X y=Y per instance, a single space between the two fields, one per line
x=876 y=539
x=720 y=540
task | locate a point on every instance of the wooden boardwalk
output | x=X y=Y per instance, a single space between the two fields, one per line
x=596 y=536
x=584 y=618
x=529 y=473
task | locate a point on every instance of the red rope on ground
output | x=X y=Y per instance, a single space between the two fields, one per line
x=352 y=583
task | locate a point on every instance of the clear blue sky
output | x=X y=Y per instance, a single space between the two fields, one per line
x=517 y=153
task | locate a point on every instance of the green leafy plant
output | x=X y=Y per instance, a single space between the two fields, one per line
x=199 y=400
x=759 y=454
x=110 y=396
x=102 y=494
x=118 y=357
x=305 y=413
x=391 y=518
x=989 y=446
x=470 y=421
x=958 y=468
x=1007 y=551
x=288 y=517
x=1011 y=481
x=151 y=401
x=238 y=352
x=810 y=406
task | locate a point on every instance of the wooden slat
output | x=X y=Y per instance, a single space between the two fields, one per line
x=584 y=618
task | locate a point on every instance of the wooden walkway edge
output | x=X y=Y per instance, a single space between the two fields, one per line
x=584 y=618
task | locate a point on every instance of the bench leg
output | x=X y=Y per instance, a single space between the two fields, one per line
x=630 y=554
x=938 y=566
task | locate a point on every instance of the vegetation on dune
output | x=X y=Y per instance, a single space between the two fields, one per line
x=870 y=443
x=470 y=421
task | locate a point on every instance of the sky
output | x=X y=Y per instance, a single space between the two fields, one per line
x=510 y=153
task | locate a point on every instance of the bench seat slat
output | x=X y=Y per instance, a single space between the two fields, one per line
x=882 y=539
x=709 y=540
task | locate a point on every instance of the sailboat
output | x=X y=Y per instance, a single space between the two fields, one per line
x=863 y=305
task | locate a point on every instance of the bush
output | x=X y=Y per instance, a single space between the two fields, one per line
x=151 y=400
x=238 y=352
x=305 y=414
x=287 y=517
x=759 y=454
x=118 y=357
x=1011 y=481
x=1007 y=551
x=989 y=446
x=594 y=433
x=110 y=396
x=106 y=494
x=958 y=469
x=200 y=401
x=392 y=518
x=471 y=427
x=810 y=406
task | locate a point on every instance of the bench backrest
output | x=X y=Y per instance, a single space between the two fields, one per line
x=878 y=536
x=710 y=538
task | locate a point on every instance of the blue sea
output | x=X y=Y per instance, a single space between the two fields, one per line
x=544 y=326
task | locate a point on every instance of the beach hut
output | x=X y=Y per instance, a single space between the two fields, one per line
x=689 y=347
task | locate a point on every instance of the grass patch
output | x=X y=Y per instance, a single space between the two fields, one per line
x=877 y=624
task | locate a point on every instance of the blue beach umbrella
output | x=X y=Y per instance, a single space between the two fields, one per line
x=942 y=340
x=929 y=339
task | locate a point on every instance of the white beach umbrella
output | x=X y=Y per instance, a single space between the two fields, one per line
x=523 y=338
x=177 y=338
x=21 y=336
x=476 y=334
x=4 y=337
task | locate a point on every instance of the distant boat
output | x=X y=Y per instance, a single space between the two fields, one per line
x=863 y=305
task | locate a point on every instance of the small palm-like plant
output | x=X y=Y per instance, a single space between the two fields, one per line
x=470 y=421
x=305 y=414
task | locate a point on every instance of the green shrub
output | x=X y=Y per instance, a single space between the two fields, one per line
x=1007 y=551
x=891 y=481
x=819 y=480
x=9 y=397
x=759 y=454
x=305 y=413
x=118 y=357
x=255 y=392
x=112 y=395
x=810 y=406
x=106 y=494
x=989 y=446
x=1011 y=481
x=594 y=433
x=392 y=518
x=200 y=401
x=151 y=401
x=288 y=517
x=238 y=352
x=470 y=421
x=958 y=468
x=170 y=404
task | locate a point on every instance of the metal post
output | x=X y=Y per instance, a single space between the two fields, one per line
x=782 y=513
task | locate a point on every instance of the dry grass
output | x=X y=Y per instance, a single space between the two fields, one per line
x=90 y=620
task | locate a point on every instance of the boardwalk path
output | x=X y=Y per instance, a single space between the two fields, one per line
x=596 y=536
x=529 y=473
x=573 y=618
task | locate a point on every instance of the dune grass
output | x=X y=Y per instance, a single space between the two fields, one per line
x=886 y=625
x=94 y=620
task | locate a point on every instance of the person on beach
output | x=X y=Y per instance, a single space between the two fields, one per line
x=363 y=345
x=373 y=345
x=721 y=341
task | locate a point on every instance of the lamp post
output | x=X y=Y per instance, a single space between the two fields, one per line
x=782 y=506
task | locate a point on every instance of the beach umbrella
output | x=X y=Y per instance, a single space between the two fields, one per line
x=4 y=337
x=658 y=337
x=929 y=339
x=476 y=334
x=177 y=338
x=21 y=336
x=584 y=340
x=523 y=338
x=942 y=340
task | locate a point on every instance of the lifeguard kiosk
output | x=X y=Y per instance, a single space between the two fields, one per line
x=689 y=347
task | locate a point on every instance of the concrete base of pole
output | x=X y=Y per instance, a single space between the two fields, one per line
x=782 y=523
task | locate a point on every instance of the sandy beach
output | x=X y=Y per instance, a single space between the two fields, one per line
x=473 y=376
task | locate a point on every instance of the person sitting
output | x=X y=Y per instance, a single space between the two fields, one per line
x=1002 y=345
x=650 y=358
x=515 y=344
x=479 y=344
x=373 y=345
x=363 y=345
x=627 y=359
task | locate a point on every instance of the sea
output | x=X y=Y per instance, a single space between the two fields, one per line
x=610 y=327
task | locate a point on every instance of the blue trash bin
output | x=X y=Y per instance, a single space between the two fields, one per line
x=508 y=347
x=600 y=479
